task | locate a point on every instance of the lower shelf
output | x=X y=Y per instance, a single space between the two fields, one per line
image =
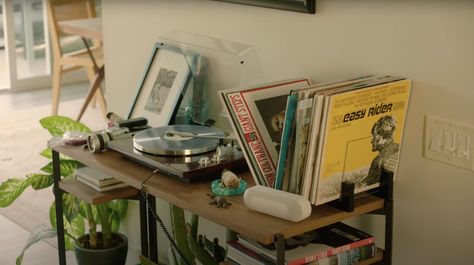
x=89 y=195
x=375 y=260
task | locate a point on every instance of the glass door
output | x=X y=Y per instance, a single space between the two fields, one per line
x=4 y=74
x=25 y=56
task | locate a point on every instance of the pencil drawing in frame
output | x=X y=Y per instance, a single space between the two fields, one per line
x=304 y=6
x=164 y=81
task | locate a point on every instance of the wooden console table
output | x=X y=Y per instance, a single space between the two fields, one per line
x=193 y=197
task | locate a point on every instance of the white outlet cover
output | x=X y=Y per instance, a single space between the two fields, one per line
x=449 y=142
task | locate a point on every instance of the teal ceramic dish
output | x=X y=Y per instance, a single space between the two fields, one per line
x=218 y=190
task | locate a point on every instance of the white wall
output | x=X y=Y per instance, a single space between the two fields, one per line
x=431 y=42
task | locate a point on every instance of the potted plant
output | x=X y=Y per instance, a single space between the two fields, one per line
x=107 y=247
x=76 y=213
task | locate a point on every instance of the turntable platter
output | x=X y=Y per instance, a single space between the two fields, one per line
x=160 y=140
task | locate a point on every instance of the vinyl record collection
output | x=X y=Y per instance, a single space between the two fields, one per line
x=314 y=137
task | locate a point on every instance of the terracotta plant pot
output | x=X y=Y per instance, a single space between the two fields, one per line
x=116 y=255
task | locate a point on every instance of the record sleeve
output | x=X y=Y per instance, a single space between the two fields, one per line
x=257 y=115
x=308 y=116
x=362 y=134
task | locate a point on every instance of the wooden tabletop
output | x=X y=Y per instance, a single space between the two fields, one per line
x=193 y=197
x=89 y=28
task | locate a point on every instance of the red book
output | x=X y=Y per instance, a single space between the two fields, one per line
x=315 y=245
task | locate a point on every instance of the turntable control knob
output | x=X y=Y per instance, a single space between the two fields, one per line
x=220 y=151
x=220 y=155
x=204 y=161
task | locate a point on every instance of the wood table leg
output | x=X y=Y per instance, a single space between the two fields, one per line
x=93 y=89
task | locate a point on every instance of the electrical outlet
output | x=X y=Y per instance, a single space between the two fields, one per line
x=449 y=142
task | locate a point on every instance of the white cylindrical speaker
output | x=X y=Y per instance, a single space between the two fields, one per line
x=277 y=203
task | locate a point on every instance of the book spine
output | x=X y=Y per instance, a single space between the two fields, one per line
x=87 y=177
x=254 y=256
x=88 y=183
x=350 y=257
x=285 y=138
x=332 y=251
x=356 y=255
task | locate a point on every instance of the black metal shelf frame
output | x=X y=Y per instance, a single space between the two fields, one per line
x=346 y=203
x=148 y=229
x=149 y=241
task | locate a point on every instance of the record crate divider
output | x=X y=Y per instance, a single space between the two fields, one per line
x=384 y=191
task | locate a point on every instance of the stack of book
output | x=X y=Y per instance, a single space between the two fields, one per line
x=308 y=139
x=97 y=179
x=337 y=243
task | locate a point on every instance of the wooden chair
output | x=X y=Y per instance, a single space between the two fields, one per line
x=63 y=62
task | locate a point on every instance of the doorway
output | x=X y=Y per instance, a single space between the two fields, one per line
x=24 y=46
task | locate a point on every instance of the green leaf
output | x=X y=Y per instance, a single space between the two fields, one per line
x=194 y=225
x=115 y=222
x=71 y=206
x=199 y=251
x=75 y=228
x=66 y=166
x=58 y=125
x=35 y=236
x=119 y=206
x=82 y=209
x=95 y=214
x=52 y=215
x=172 y=256
x=40 y=181
x=83 y=212
x=11 y=189
x=146 y=261
x=180 y=235
x=47 y=154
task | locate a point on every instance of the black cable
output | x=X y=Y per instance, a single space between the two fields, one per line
x=144 y=195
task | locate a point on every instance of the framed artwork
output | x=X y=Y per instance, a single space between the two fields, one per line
x=165 y=79
x=304 y=6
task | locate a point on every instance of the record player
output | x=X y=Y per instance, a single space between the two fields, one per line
x=188 y=152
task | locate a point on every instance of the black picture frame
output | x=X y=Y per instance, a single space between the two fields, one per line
x=167 y=70
x=303 y=6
